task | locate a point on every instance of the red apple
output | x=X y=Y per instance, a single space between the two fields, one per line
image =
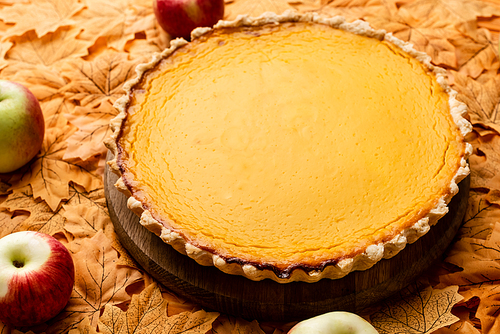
x=337 y=322
x=37 y=275
x=179 y=17
x=22 y=126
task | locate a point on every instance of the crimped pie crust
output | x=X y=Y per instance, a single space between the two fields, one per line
x=336 y=269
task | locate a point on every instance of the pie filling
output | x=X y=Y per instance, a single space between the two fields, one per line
x=286 y=145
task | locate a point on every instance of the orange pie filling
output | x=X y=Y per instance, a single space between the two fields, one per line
x=291 y=146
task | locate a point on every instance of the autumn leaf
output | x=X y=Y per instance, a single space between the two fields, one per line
x=83 y=221
x=93 y=129
x=43 y=81
x=50 y=49
x=147 y=313
x=54 y=111
x=478 y=259
x=10 y=222
x=485 y=163
x=480 y=276
x=49 y=15
x=116 y=22
x=476 y=55
x=83 y=327
x=231 y=325
x=480 y=217
x=482 y=100
x=459 y=14
x=98 y=282
x=417 y=310
x=178 y=304
x=254 y=7
x=4 y=48
x=464 y=326
x=41 y=217
x=94 y=82
x=50 y=175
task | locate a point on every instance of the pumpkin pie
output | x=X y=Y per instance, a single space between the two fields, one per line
x=290 y=147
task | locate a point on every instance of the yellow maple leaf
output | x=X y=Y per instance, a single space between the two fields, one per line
x=147 y=313
x=115 y=22
x=480 y=217
x=84 y=221
x=9 y=223
x=94 y=82
x=40 y=216
x=93 y=129
x=464 y=326
x=480 y=276
x=476 y=55
x=254 y=7
x=231 y=325
x=485 y=162
x=50 y=176
x=49 y=49
x=4 y=48
x=417 y=310
x=98 y=281
x=481 y=98
x=459 y=14
x=43 y=81
x=49 y=15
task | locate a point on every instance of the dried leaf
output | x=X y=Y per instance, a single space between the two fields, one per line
x=464 y=326
x=485 y=163
x=482 y=100
x=83 y=327
x=480 y=217
x=147 y=313
x=420 y=311
x=93 y=129
x=83 y=221
x=114 y=22
x=54 y=110
x=50 y=175
x=94 y=82
x=41 y=217
x=10 y=223
x=254 y=7
x=48 y=14
x=4 y=48
x=480 y=275
x=50 y=49
x=232 y=325
x=44 y=82
x=98 y=281
x=476 y=55
x=459 y=14
x=178 y=304
x=199 y=322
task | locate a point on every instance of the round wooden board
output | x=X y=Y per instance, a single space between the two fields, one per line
x=268 y=300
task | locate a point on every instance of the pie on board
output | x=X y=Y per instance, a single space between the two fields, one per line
x=290 y=147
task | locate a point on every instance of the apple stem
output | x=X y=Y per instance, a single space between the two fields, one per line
x=18 y=264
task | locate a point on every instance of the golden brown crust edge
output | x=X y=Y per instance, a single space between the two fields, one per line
x=362 y=261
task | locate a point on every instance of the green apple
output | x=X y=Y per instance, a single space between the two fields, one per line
x=337 y=322
x=22 y=126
